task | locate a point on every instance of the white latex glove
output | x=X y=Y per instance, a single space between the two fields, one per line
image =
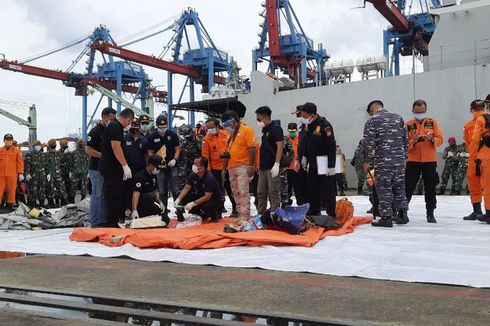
x=190 y=206
x=304 y=163
x=330 y=171
x=70 y=175
x=21 y=177
x=28 y=177
x=48 y=177
x=176 y=203
x=172 y=163
x=450 y=154
x=275 y=170
x=296 y=166
x=67 y=150
x=135 y=215
x=127 y=173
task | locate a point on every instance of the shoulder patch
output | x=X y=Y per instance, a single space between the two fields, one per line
x=89 y=138
x=317 y=130
x=138 y=185
x=328 y=130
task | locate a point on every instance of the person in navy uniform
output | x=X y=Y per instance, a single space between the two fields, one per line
x=201 y=194
x=145 y=196
x=165 y=142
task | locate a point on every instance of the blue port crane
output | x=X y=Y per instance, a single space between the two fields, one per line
x=284 y=44
x=409 y=34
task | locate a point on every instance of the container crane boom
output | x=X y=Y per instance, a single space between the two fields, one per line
x=393 y=15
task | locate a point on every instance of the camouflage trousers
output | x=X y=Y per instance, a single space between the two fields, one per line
x=37 y=188
x=450 y=171
x=55 y=187
x=390 y=188
x=79 y=182
x=361 y=177
x=68 y=185
x=461 y=173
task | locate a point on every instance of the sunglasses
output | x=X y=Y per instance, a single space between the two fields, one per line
x=145 y=123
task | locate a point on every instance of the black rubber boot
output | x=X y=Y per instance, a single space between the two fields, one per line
x=442 y=191
x=402 y=217
x=485 y=217
x=385 y=222
x=180 y=215
x=63 y=202
x=71 y=200
x=51 y=203
x=430 y=216
x=476 y=213
x=359 y=191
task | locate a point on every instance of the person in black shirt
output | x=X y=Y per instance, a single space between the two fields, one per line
x=201 y=195
x=114 y=167
x=145 y=199
x=93 y=150
x=318 y=142
x=269 y=183
x=165 y=142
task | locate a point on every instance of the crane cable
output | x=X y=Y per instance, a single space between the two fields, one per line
x=44 y=54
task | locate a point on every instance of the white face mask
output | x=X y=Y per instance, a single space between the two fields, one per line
x=155 y=171
x=419 y=116
x=260 y=124
x=162 y=130
x=194 y=168
x=37 y=148
x=304 y=120
x=212 y=131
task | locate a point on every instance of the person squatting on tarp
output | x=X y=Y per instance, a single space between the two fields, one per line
x=386 y=145
x=11 y=170
x=319 y=145
x=202 y=193
x=145 y=196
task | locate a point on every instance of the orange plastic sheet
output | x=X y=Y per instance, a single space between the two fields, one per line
x=208 y=236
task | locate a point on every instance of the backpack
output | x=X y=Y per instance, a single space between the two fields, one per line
x=344 y=209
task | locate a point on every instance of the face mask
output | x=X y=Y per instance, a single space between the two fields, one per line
x=133 y=131
x=212 y=131
x=230 y=129
x=162 y=130
x=419 y=116
x=127 y=128
x=292 y=134
x=37 y=148
x=9 y=143
x=145 y=127
x=305 y=121
x=260 y=124
x=155 y=171
x=194 y=168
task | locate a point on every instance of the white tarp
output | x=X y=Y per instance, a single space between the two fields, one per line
x=452 y=251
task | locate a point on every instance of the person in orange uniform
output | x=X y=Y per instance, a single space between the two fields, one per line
x=480 y=150
x=213 y=146
x=241 y=160
x=291 y=173
x=424 y=136
x=11 y=170
x=477 y=108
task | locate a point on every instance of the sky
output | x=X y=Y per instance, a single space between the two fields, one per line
x=30 y=27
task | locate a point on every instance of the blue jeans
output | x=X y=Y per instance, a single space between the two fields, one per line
x=167 y=182
x=97 y=204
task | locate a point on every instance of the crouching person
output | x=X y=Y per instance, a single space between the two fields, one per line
x=201 y=195
x=146 y=200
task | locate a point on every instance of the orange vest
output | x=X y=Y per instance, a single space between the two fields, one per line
x=468 y=131
x=423 y=151
x=213 y=146
x=239 y=147
x=11 y=162
x=294 y=141
x=480 y=131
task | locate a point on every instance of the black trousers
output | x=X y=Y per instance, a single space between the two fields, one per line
x=321 y=188
x=210 y=209
x=115 y=196
x=225 y=186
x=301 y=187
x=430 y=178
x=146 y=205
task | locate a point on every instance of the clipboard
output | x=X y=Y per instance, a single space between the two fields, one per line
x=322 y=164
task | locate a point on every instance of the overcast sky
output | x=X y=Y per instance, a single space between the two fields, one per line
x=29 y=27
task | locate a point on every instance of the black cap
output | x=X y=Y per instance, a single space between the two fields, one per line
x=292 y=126
x=477 y=104
x=487 y=98
x=135 y=124
x=156 y=161
x=308 y=107
x=298 y=110
x=161 y=121
x=144 y=118
x=8 y=137
x=374 y=102
x=108 y=111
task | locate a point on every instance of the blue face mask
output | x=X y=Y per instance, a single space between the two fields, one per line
x=419 y=116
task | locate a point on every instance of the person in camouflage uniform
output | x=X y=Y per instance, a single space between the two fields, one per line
x=451 y=156
x=462 y=168
x=55 y=188
x=79 y=170
x=35 y=175
x=66 y=167
x=357 y=162
x=190 y=149
x=288 y=151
